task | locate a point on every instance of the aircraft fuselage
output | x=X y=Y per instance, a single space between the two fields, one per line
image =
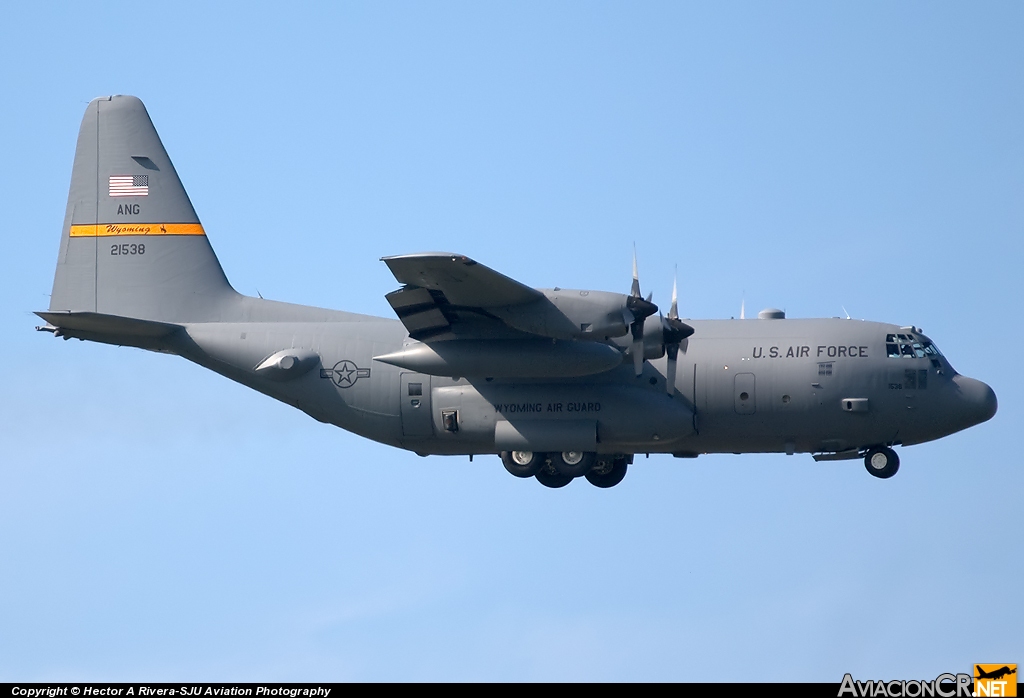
x=780 y=385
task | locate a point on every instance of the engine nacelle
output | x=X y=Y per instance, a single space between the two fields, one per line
x=518 y=358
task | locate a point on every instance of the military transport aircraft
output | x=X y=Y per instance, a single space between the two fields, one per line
x=561 y=383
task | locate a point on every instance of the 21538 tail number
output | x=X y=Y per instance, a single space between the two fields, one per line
x=127 y=249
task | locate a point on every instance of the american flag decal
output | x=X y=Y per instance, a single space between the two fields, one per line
x=129 y=185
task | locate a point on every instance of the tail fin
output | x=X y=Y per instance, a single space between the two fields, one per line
x=132 y=245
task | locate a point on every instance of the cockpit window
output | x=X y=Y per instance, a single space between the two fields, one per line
x=908 y=346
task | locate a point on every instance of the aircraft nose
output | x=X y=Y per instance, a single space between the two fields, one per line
x=979 y=398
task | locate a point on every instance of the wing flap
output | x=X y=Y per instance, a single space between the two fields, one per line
x=419 y=311
x=429 y=319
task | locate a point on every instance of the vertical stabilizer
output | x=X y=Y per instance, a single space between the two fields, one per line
x=132 y=245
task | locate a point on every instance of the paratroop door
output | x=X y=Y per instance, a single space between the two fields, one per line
x=744 y=393
x=415 y=399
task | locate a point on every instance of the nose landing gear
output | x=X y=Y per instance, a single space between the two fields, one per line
x=882 y=462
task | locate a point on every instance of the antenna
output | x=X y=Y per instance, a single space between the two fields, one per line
x=845 y=313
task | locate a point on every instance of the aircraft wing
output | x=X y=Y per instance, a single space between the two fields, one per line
x=447 y=295
x=462 y=280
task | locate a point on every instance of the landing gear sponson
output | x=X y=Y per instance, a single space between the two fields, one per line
x=560 y=468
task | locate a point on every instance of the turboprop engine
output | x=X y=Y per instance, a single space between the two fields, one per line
x=661 y=336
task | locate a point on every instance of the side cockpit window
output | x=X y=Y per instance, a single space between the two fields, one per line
x=909 y=346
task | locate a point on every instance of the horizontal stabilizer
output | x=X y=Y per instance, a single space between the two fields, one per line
x=109 y=329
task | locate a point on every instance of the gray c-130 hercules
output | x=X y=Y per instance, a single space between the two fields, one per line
x=561 y=383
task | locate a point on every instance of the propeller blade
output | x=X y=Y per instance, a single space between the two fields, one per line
x=637 y=348
x=673 y=331
x=641 y=309
x=635 y=291
x=673 y=312
x=670 y=374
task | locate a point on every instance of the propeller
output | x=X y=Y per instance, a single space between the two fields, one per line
x=640 y=309
x=673 y=332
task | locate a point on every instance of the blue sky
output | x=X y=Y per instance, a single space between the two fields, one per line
x=161 y=523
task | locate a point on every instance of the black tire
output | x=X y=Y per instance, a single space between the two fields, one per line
x=608 y=476
x=519 y=465
x=882 y=462
x=573 y=463
x=549 y=477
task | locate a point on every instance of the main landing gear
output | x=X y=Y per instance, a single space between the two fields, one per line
x=882 y=462
x=560 y=468
x=523 y=463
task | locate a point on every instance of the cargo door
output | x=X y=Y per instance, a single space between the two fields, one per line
x=416 y=418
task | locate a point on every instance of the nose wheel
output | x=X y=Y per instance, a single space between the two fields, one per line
x=882 y=462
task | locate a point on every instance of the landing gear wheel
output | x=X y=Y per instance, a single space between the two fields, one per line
x=549 y=477
x=522 y=463
x=608 y=475
x=573 y=463
x=882 y=462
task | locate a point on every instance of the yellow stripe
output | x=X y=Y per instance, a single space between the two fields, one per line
x=114 y=229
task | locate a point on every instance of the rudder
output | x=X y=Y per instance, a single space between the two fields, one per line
x=132 y=245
